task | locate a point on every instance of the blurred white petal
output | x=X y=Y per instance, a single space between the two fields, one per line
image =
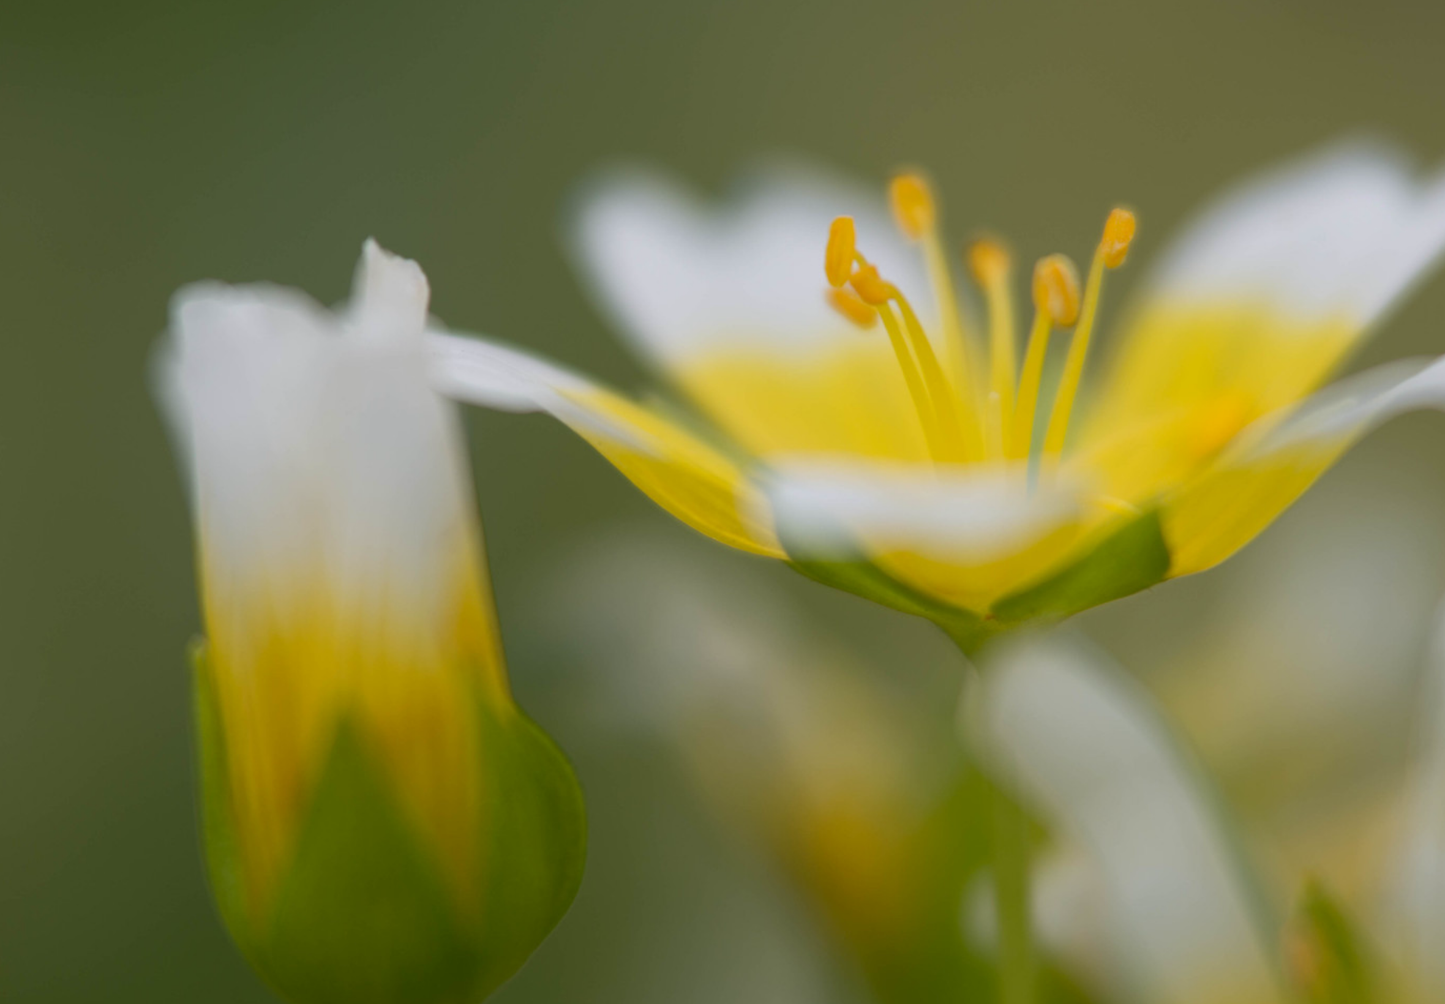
x=485 y=372
x=680 y=277
x=1339 y=234
x=827 y=507
x=1084 y=746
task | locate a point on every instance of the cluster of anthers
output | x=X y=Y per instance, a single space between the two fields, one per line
x=960 y=425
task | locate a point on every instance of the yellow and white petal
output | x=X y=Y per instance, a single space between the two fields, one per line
x=728 y=301
x=1280 y=456
x=964 y=535
x=1081 y=744
x=340 y=560
x=1263 y=297
x=691 y=479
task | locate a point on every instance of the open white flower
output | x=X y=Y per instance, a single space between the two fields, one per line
x=824 y=445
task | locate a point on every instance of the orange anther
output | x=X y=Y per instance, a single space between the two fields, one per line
x=913 y=207
x=989 y=261
x=871 y=287
x=842 y=245
x=1056 y=290
x=850 y=306
x=1118 y=232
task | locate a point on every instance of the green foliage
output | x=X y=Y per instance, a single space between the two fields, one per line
x=364 y=912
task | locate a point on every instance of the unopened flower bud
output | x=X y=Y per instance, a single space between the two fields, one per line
x=382 y=823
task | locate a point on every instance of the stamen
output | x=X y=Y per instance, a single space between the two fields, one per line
x=847 y=303
x=913 y=206
x=838 y=258
x=916 y=212
x=939 y=389
x=1056 y=304
x=927 y=417
x=1118 y=233
x=875 y=291
x=1113 y=249
x=989 y=262
x=871 y=287
x=869 y=298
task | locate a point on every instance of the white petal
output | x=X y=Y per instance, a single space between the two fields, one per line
x=681 y=277
x=826 y=507
x=389 y=295
x=321 y=458
x=488 y=373
x=689 y=477
x=1350 y=408
x=1084 y=746
x=1336 y=235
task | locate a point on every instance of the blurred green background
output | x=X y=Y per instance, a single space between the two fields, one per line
x=152 y=143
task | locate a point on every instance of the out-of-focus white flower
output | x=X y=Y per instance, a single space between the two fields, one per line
x=1191 y=915
x=794 y=744
x=1081 y=743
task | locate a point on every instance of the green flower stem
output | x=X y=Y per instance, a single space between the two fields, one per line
x=1016 y=966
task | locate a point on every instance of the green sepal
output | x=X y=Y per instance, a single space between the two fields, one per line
x=867 y=580
x=1128 y=560
x=364 y=912
x=1132 y=558
x=218 y=828
x=1341 y=970
x=534 y=814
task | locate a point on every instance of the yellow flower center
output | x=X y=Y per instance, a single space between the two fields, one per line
x=963 y=418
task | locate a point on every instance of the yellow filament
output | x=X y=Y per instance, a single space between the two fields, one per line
x=1112 y=250
x=939 y=388
x=989 y=262
x=916 y=213
x=916 y=390
x=1021 y=435
x=1056 y=304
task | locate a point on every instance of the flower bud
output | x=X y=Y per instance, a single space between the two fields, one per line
x=382 y=824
